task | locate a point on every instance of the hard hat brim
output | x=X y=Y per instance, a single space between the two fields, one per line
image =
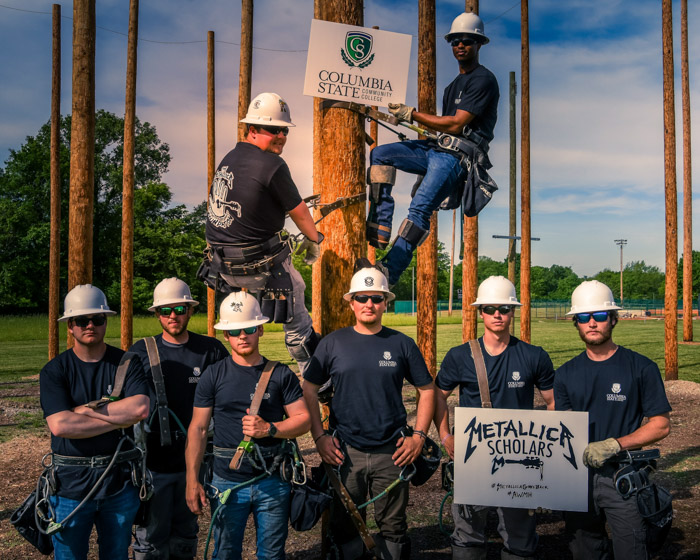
x=229 y=325
x=483 y=39
x=266 y=121
x=478 y=303
x=593 y=309
x=89 y=311
x=389 y=295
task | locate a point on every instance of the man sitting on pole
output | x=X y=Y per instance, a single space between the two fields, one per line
x=513 y=369
x=469 y=112
x=257 y=406
x=371 y=445
x=247 y=247
x=174 y=361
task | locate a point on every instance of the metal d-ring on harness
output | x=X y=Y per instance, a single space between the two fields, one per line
x=256 y=457
x=448 y=474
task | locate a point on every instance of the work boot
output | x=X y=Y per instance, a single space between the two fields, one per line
x=468 y=552
x=507 y=555
x=389 y=550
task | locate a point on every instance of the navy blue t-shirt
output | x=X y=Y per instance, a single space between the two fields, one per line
x=229 y=388
x=476 y=92
x=67 y=382
x=251 y=192
x=367 y=372
x=512 y=374
x=182 y=365
x=617 y=393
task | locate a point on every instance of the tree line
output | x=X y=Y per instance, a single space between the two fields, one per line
x=169 y=239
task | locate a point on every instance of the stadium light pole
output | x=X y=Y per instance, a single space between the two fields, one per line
x=621 y=243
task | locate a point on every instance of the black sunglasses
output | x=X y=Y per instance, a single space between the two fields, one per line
x=598 y=317
x=84 y=321
x=178 y=309
x=466 y=41
x=275 y=130
x=363 y=298
x=502 y=309
x=237 y=332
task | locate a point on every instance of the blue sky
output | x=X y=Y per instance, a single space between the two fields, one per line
x=595 y=92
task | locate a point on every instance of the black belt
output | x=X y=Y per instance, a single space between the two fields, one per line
x=96 y=461
x=244 y=253
x=229 y=452
x=235 y=268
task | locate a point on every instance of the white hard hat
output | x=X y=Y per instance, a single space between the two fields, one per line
x=240 y=310
x=591 y=296
x=85 y=299
x=468 y=23
x=171 y=291
x=369 y=280
x=496 y=290
x=268 y=109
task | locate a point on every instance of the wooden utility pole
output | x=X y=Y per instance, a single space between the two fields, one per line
x=525 y=230
x=452 y=262
x=687 y=184
x=374 y=134
x=211 y=161
x=513 y=188
x=246 y=66
x=82 y=156
x=671 y=292
x=470 y=259
x=127 y=273
x=427 y=252
x=55 y=234
x=341 y=173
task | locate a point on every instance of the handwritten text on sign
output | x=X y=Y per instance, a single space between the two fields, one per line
x=521 y=458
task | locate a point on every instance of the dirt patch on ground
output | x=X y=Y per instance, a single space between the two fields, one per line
x=20 y=460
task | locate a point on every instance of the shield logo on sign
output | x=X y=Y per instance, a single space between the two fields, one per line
x=358 y=49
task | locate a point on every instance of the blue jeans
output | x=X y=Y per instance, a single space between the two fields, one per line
x=112 y=518
x=442 y=173
x=268 y=501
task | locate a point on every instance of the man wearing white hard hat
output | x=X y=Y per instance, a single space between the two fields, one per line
x=371 y=443
x=465 y=128
x=243 y=437
x=92 y=457
x=247 y=246
x=618 y=388
x=513 y=369
x=174 y=361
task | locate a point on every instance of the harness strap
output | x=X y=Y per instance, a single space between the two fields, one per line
x=159 y=383
x=350 y=506
x=118 y=382
x=96 y=461
x=254 y=408
x=234 y=267
x=245 y=252
x=481 y=374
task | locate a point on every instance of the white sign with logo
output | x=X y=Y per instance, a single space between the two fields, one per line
x=521 y=458
x=358 y=64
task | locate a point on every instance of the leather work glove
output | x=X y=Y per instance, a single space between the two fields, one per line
x=598 y=452
x=311 y=249
x=401 y=111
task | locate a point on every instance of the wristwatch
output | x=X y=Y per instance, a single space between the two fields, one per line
x=272 y=430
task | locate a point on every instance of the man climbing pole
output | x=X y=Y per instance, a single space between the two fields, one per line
x=247 y=247
x=459 y=154
x=174 y=361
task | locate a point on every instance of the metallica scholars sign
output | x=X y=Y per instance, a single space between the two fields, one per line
x=357 y=64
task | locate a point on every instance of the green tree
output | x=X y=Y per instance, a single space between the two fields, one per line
x=168 y=241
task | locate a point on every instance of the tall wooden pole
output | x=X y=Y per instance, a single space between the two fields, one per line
x=374 y=133
x=211 y=161
x=427 y=252
x=525 y=230
x=687 y=184
x=55 y=235
x=246 y=65
x=341 y=173
x=127 y=273
x=82 y=164
x=452 y=263
x=671 y=292
x=513 y=187
x=316 y=314
x=470 y=259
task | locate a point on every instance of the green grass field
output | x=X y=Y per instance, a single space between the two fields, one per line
x=23 y=340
